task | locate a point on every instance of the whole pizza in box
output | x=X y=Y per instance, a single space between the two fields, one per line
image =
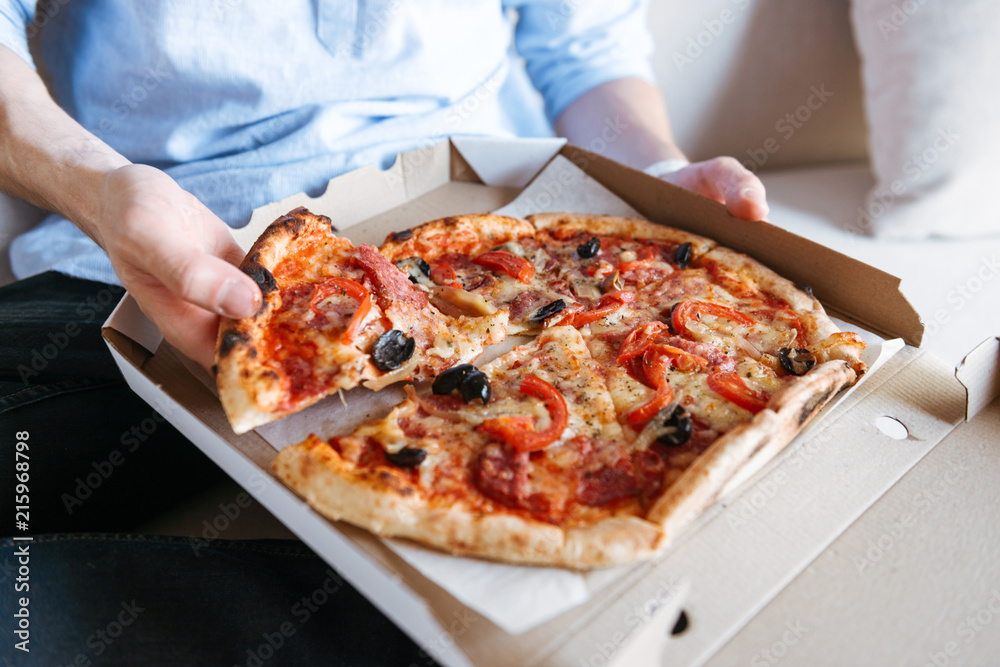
x=658 y=366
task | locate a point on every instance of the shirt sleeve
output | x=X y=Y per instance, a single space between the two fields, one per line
x=570 y=46
x=15 y=18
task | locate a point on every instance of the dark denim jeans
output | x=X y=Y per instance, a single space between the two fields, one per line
x=100 y=463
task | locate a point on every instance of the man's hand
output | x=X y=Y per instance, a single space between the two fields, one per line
x=175 y=257
x=639 y=107
x=727 y=181
x=170 y=252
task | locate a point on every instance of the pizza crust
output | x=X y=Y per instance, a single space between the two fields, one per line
x=329 y=484
x=747 y=447
x=243 y=384
x=468 y=234
x=613 y=225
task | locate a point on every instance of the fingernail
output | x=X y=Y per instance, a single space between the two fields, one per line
x=754 y=195
x=236 y=300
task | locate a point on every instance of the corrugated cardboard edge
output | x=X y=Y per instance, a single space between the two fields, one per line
x=979 y=373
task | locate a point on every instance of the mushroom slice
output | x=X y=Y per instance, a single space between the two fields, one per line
x=456 y=302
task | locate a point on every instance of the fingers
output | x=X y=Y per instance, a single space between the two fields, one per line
x=178 y=259
x=211 y=283
x=727 y=181
x=193 y=333
x=190 y=329
x=228 y=249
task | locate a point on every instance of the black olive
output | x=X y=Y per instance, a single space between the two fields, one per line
x=412 y=265
x=681 y=625
x=407 y=457
x=545 y=312
x=451 y=379
x=510 y=246
x=403 y=235
x=476 y=385
x=392 y=350
x=796 y=362
x=683 y=255
x=470 y=382
x=590 y=248
x=677 y=428
x=670 y=318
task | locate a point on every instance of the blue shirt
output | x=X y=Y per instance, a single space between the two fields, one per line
x=244 y=102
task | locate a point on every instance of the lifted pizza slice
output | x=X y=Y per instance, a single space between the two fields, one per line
x=333 y=316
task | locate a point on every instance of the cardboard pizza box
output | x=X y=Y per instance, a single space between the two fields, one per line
x=738 y=556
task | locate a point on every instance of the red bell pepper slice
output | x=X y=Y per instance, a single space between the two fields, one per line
x=639 y=340
x=518 y=430
x=685 y=311
x=443 y=274
x=657 y=358
x=655 y=366
x=731 y=387
x=516 y=267
x=682 y=360
x=350 y=288
x=642 y=414
x=608 y=304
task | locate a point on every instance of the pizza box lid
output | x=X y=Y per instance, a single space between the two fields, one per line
x=632 y=611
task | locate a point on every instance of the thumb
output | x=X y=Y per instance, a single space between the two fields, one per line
x=209 y=282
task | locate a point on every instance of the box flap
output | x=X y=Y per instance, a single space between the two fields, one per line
x=562 y=187
x=507 y=162
x=979 y=373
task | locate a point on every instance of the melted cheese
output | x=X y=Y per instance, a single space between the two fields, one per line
x=582 y=366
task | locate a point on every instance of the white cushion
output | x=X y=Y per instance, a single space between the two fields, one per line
x=931 y=72
x=734 y=70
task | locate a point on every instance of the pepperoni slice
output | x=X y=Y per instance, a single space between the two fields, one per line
x=392 y=286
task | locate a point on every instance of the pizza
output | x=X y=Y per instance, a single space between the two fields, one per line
x=332 y=317
x=653 y=367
